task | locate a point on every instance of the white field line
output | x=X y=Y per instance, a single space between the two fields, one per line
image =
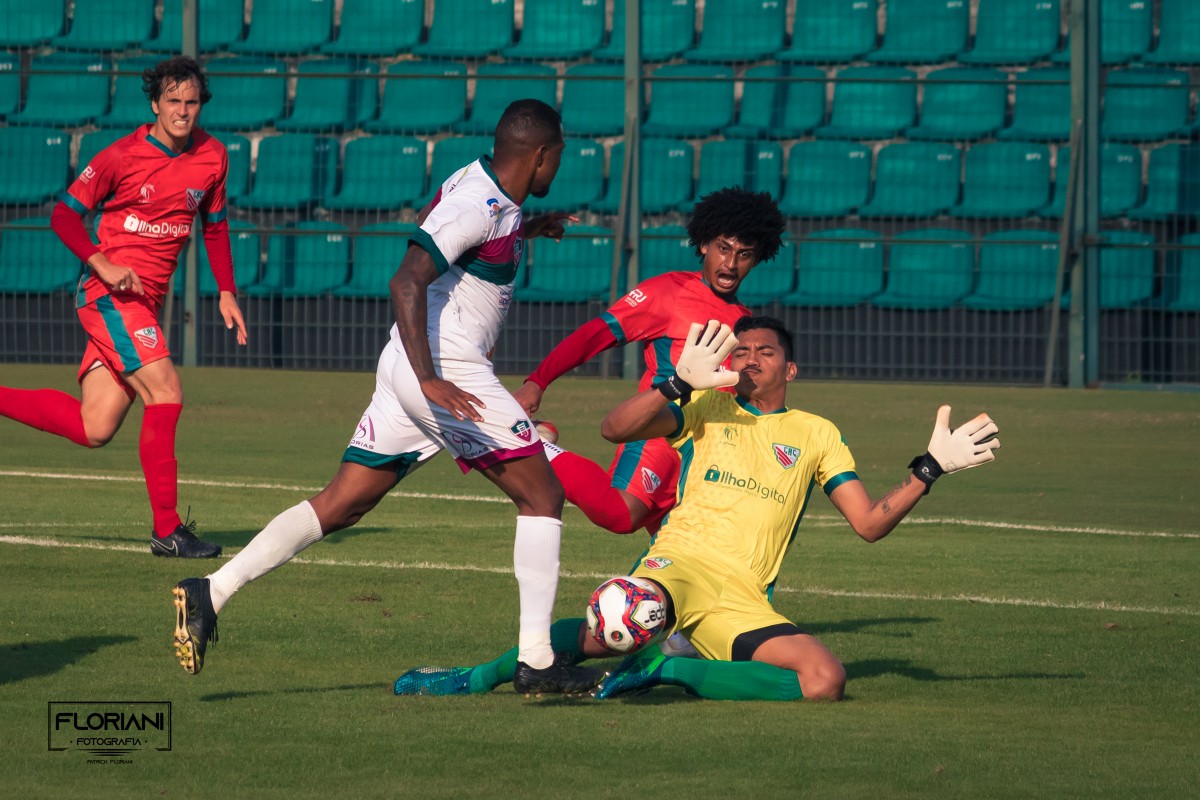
x=822 y=592
x=475 y=498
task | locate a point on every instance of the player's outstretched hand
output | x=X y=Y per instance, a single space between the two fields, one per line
x=706 y=348
x=529 y=396
x=968 y=445
x=231 y=312
x=459 y=403
x=549 y=225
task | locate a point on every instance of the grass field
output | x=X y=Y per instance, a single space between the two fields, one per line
x=1032 y=631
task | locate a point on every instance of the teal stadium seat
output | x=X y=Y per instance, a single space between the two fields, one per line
x=826 y=179
x=839 y=267
x=695 y=101
x=285 y=27
x=668 y=28
x=130 y=106
x=871 y=103
x=376 y=257
x=1018 y=270
x=559 y=30
x=237 y=148
x=293 y=172
x=378 y=28
x=780 y=102
x=1014 y=32
x=35 y=261
x=36 y=164
x=380 y=173
x=221 y=26
x=1172 y=185
x=928 y=275
x=593 y=100
x=246 y=248
x=665 y=248
x=771 y=281
x=498 y=85
x=915 y=179
x=1178 y=34
x=468 y=29
x=1041 y=106
x=10 y=83
x=414 y=103
x=1005 y=179
x=576 y=269
x=1126 y=270
x=580 y=179
x=666 y=181
x=738 y=31
x=831 y=31
x=1120 y=180
x=330 y=104
x=962 y=104
x=1145 y=104
x=756 y=166
x=1126 y=27
x=65 y=89
x=1183 y=276
x=923 y=31
x=108 y=25
x=307 y=259
x=245 y=102
x=92 y=143
x=29 y=24
x=449 y=156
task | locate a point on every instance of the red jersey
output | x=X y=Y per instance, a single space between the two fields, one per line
x=149 y=196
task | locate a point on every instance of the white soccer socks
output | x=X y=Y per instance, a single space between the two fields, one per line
x=535 y=562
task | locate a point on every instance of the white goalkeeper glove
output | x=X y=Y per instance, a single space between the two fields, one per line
x=699 y=363
x=967 y=446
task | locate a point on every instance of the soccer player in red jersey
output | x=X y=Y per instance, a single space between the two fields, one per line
x=151 y=185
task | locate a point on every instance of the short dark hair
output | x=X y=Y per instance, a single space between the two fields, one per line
x=526 y=125
x=770 y=323
x=750 y=217
x=171 y=72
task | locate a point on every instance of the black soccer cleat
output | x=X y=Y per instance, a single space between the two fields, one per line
x=182 y=543
x=195 y=623
x=558 y=678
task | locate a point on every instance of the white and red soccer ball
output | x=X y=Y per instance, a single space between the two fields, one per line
x=625 y=613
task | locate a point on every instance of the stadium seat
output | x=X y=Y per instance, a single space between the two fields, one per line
x=279 y=27
x=130 y=106
x=246 y=247
x=577 y=268
x=1126 y=27
x=696 y=107
x=29 y=24
x=757 y=166
x=1005 y=179
x=580 y=179
x=1126 y=270
x=668 y=27
x=923 y=31
x=36 y=164
x=1145 y=104
x=92 y=143
x=559 y=29
x=1178 y=34
x=10 y=83
x=737 y=31
x=468 y=29
x=826 y=179
x=329 y=104
x=380 y=172
x=770 y=281
x=962 y=104
x=1183 y=276
x=378 y=28
x=1017 y=270
x=931 y=274
x=237 y=148
x=221 y=26
x=292 y=172
x=831 y=31
x=376 y=258
x=498 y=85
x=665 y=248
x=1014 y=32
x=871 y=103
x=35 y=261
x=1120 y=180
x=1172 y=185
x=412 y=103
x=915 y=179
x=307 y=259
x=593 y=100
x=245 y=102
x=1041 y=106
x=666 y=182
x=108 y=25
x=839 y=267
x=450 y=155
x=65 y=89
x=787 y=108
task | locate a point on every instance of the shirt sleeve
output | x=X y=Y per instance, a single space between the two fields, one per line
x=644 y=312
x=690 y=417
x=590 y=338
x=837 y=464
x=452 y=228
x=220 y=256
x=213 y=208
x=96 y=182
x=68 y=224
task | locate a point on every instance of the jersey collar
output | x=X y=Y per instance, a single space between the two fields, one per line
x=168 y=150
x=745 y=404
x=486 y=161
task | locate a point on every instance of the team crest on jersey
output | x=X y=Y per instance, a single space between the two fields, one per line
x=147 y=193
x=194 y=198
x=657 y=563
x=493 y=207
x=523 y=430
x=650 y=481
x=148 y=337
x=786 y=455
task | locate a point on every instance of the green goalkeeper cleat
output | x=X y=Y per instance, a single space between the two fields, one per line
x=436 y=681
x=637 y=673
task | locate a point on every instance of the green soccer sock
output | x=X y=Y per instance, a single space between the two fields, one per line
x=564 y=638
x=732 y=680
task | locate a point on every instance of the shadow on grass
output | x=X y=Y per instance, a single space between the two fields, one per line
x=26 y=660
x=350 y=687
x=875 y=667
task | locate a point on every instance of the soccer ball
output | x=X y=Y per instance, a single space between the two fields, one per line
x=546 y=430
x=625 y=613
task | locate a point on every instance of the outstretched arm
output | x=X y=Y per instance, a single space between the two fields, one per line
x=585 y=342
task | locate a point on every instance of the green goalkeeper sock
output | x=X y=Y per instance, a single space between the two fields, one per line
x=732 y=680
x=564 y=638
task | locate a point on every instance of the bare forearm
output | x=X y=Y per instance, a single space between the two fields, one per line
x=410 y=305
x=885 y=513
x=643 y=416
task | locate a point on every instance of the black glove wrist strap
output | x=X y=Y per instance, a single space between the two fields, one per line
x=676 y=388
x=926 y=469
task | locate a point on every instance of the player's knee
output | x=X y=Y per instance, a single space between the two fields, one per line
x=826 y=682
x=100 y=434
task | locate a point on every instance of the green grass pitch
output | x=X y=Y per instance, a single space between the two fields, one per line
x=1032 y=631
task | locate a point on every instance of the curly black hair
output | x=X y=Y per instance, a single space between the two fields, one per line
x=751 y=217
x=166 y=74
